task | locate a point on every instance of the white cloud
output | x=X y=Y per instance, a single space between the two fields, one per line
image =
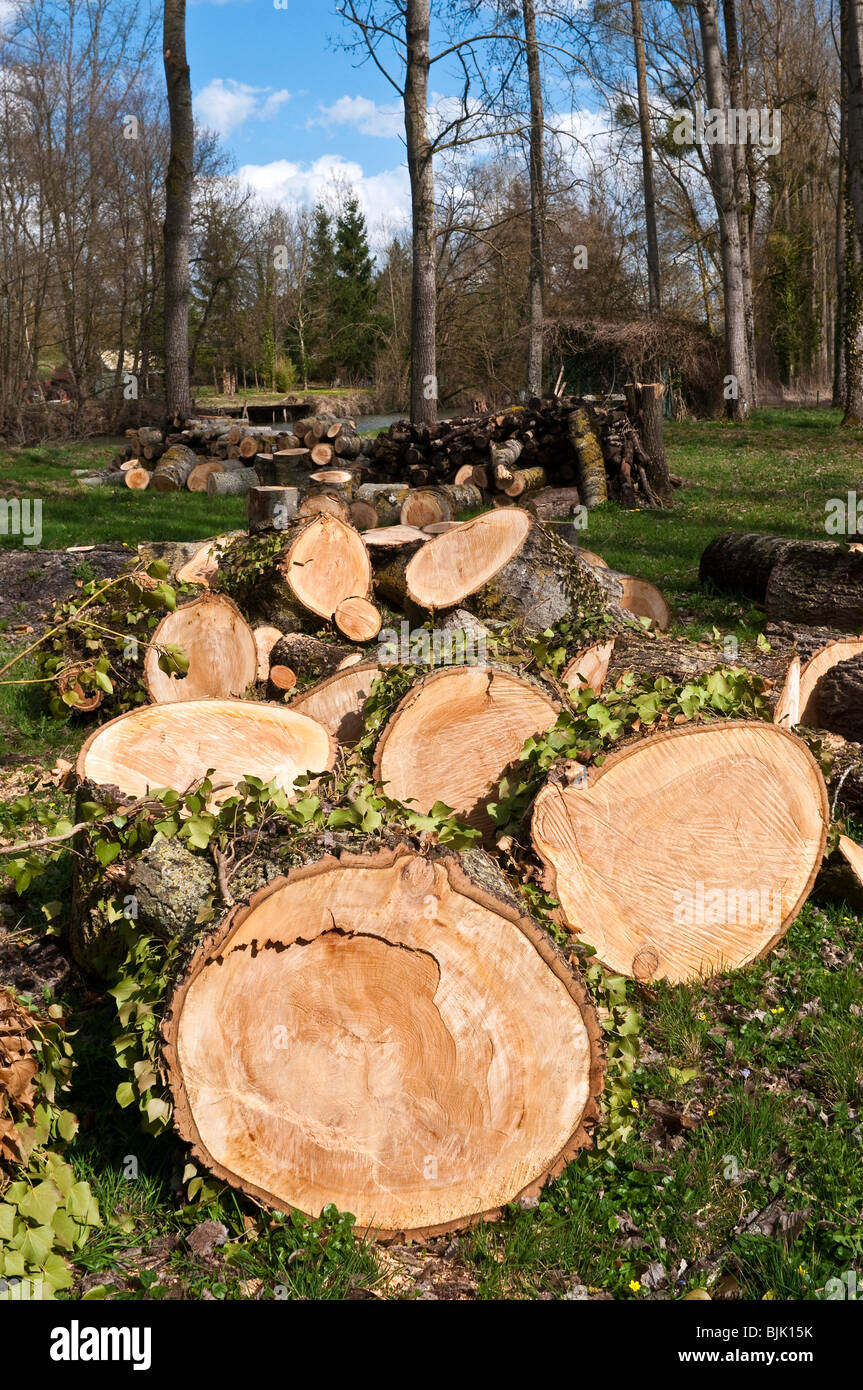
x=384 y=197
x=224 y=104
x=367 y=116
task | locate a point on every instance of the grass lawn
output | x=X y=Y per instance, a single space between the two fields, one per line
x=758 y=1190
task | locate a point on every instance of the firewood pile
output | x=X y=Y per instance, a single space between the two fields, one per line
x=363 y=1014
x=552 y=456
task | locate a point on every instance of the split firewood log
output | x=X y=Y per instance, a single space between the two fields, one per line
x=503 y=566
x=216 y=641
x=339 y=701
x=656 y=904
x=489 y=1078
x=172 y=471
x=455 y=735
x=294 y=578
x=174 y=745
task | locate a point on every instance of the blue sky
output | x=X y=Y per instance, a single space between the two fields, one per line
x=293 y=106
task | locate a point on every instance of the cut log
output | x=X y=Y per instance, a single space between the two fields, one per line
x=656 y=903
x=525 y=483
x=363 y=516
x=322 y=455
x=270 y=508
x=503 y=566
x=422 y=506
x=347 y=446
x=339 y=701
x=591 y=464
x=311 y=658
x=554 y=503
x=602 y=664
x=325 y=504
x=839 y=697
x=175 y=746
x=280 y=682
x=504 y=458
x=234 y=484
x=742 y=562
x=334 y=477
x=358 y=619
x=455 y=734
x=249 y=447
x=814 y=584
x=292 y=585
x=204 y=563
x=391 y=548
x=265 y=639
x=173 y=469
x=386 y=499
x=218 y=644
x=643 y=600
x=138 y=478
x=197 y=479
x=591 y=557
x=431 y=1059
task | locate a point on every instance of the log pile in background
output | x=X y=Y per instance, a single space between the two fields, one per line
x=551 y=456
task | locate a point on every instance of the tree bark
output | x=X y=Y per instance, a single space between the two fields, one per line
x=536 y=265
x=738 y=160
x=738 y=403
x=424 y=383
x=178 y=209
x=654 y=284
x=852 y=48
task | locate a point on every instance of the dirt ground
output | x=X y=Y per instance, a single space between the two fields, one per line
x=31 y=581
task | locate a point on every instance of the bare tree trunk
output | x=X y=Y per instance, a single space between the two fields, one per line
x=178 y=209
x=852 y=51
x=536 y=267
x=738 y=390
x=653 y=277
x=738 y=158
x=424 y=383
x=841 y=175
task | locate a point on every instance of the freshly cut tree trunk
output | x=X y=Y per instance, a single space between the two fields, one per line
x=312 y=658
x=391 y=548
x=234 y=484
x=358 y=619
x=813 y=585
x=339 y=702
x=175 y=745
x=503 y=566
x=270 y=508
x=319 y=562
x=138 y=478
x=591 y=464
x=807 y=710
x=455 y=735
x=173 y=469
x=424 y=505
x=197 y=479
x=424 y=1058
x=218 y=644
x=657 y=902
